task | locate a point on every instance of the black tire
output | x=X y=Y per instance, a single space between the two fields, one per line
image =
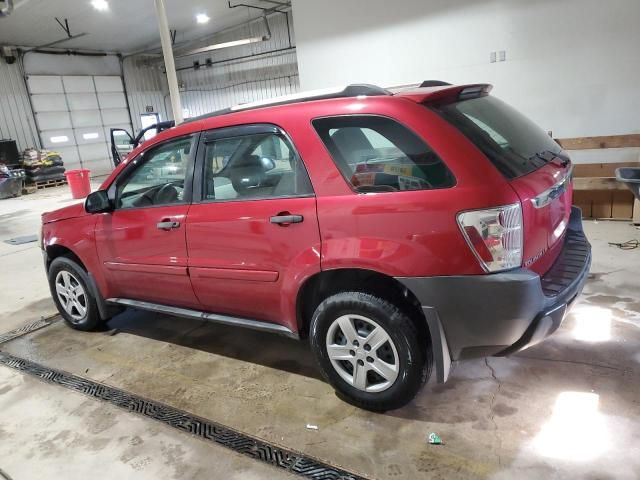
x=91 y=318
x=413 y=351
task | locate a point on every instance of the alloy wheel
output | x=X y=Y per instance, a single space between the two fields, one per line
x=71 y=295
x=362 y=353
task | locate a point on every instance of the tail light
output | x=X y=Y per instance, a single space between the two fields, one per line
x=494 y=235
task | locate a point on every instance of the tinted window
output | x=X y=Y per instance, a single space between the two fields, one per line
x=253 y=166
x=159 y=179
x=514 y=144
x=377 y=154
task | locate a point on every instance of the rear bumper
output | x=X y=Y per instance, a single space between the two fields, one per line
x=503 y=313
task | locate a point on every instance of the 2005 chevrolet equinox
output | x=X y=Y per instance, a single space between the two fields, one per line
x=399 y=232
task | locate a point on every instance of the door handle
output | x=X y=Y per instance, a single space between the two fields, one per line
x=284 y=220
x=167 y=225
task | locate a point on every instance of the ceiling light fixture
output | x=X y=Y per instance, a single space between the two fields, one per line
x=100 y=5
x=202 y=18
x=233 y=43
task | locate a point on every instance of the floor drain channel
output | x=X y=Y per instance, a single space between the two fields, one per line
x=25 y=329
x=293 y=462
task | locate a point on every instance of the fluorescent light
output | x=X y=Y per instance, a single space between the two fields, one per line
x=59 y=139
x=90 y=136
x=100 y=5
x=202 y=18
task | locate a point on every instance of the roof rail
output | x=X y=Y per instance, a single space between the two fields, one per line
x=434 y=83
x=354 y=90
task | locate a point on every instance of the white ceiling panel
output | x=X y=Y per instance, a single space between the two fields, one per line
x=108 y=84
x=49 y=103
x=85 y=136
x=53 y=120
x=115 y=116
x=112 y=100
x=44 y=84
x=54 y=139
x=86 y=118
x=82 y=101
x=78 y=84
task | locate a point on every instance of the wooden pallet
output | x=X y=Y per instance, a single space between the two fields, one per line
x=49 y=183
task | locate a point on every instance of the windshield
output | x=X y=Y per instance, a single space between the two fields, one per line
x=513 y=143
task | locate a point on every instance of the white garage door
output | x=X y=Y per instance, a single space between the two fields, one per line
x=74 y=114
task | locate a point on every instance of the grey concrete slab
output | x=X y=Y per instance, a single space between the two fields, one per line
x=24 y=292
x=49 y=432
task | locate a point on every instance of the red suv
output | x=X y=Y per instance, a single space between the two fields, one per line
x=399 y=232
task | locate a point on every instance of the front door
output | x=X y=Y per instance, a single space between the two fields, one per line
x=253 y=235
x=142 y=243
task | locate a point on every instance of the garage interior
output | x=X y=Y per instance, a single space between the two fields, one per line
x=219 y=402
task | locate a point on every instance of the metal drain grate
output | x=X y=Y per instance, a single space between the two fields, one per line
x=205 y=429
x=28 y=328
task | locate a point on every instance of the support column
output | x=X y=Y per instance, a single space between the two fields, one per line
x=169 y=64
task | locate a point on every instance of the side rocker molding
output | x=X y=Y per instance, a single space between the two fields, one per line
x=440 y=349
x=199 y=315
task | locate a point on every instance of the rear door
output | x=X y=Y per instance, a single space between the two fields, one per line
x=253 y=235
x=142 y=242
x=536 y=167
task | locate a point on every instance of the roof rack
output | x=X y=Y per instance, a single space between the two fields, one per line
x=354 y=90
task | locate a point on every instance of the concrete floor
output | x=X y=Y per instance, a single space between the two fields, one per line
x=567 y=408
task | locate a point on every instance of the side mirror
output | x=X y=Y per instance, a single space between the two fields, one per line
x=97 y=202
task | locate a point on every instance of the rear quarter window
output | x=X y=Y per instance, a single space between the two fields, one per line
x=378 y=154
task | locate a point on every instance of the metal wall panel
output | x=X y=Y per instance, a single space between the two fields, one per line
x=267 y=69
x=146 y=86
x=16 y=117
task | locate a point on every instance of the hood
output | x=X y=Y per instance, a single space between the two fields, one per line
x=72 y=211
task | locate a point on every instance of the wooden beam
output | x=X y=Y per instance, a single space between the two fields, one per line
x=597 y=183
x=592 y=143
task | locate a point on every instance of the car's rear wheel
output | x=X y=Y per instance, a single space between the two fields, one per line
x=69 y=285
x=369 y=350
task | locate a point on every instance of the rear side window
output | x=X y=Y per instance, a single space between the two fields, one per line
x=255 y=166
x=513 y=143
x=377 y=154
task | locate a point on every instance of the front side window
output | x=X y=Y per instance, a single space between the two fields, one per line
x=159 y=179
x=253 y=166
x=377 y=154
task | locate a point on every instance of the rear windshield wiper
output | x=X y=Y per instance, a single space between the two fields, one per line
x=550 y=156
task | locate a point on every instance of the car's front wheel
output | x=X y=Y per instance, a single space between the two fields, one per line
x=69 y=285
x=369 y=350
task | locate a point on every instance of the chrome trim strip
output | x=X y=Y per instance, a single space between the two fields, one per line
x=211 y=317
x=546 y=197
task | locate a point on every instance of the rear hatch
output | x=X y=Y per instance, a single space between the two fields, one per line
x=535 y=166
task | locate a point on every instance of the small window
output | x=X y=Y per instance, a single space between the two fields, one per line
x=159 y=179
x=377 y=154
x=253 y=166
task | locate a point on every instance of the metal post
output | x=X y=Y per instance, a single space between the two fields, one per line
x=169 y=64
